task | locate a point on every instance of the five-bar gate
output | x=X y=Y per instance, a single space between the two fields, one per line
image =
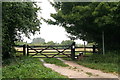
x=54 y=51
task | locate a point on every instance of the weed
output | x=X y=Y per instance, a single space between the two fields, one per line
x=74 y=67
x=90 y=74
x=96 y=75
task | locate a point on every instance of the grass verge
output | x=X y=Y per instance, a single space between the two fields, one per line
x=55 y=61
x=106 y=63
x=28 y=67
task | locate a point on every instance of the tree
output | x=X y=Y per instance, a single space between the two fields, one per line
x=71 y=37
x=67 y=42
x=87 y=21
x=50 y=43
x=38 y=41
x=17 y=18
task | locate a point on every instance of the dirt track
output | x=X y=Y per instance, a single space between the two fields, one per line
x=77 y=71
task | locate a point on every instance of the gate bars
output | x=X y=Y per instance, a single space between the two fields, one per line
x=51 y=48
x=72 y=47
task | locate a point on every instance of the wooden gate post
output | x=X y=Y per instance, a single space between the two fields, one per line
x=24 y=49
x=73 y=51
x=27 y=50
x=94 y=49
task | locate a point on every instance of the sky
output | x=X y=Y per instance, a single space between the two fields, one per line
x=49 y=32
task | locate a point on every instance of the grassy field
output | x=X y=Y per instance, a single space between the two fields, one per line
x=27 y=67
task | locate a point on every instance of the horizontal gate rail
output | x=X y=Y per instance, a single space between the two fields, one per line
x=61 y=52
x=20 y=51
x=51 y=46
x=52 y=57
x=50 y=49
x=49 y=54
x=18 y=45
x=52 y=52
x=85 y=47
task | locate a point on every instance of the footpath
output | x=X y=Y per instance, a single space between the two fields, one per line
x=77 y=71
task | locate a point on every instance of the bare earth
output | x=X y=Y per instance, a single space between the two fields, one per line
x=77 y=71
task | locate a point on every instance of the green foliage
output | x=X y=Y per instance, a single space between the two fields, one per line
x=20 y=43
x=88 y=20
x=38 y=41
x=107 y=63
x=0 y=73
x=67 y=42
x=17 y=18
x=28 y=67
x=55 y=61
x=50 y=43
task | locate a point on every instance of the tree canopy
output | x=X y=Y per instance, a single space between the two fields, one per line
x=17 y=18
x=50 y=43
x=88 y=20
x=66 y=42
x=38 y=41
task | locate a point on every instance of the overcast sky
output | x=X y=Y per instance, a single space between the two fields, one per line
x=49 y=32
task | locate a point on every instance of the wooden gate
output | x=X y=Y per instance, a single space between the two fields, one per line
x=55 y=51
x=52 y=51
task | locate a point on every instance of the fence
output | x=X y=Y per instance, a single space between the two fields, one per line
x=20 y=49
x=69 y=51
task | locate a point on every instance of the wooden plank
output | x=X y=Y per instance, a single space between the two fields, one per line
x=43 y=52
x=85 y=51
x=20 y=51
x=18 y=45
x=63 y=52
x=51 y=46
x=52 y=57
x=57 y=52
x=85 y=47
x=50 y=49
x=49 y=54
